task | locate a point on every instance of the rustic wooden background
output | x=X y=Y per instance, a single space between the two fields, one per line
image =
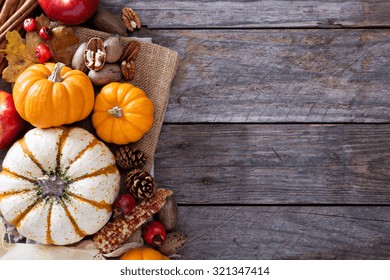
x=276 y=140
x=277 y=136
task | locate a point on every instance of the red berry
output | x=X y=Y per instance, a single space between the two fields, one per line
x=29 y=24
x=155 y=233
x=42 y=52
x=45 y=33
x=126 y=202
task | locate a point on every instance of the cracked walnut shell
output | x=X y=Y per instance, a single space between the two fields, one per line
x=95 y=54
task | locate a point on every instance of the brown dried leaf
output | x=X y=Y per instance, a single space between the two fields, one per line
x=42 y=20
x=61 y=43
x=19 y=55
x=32 y=40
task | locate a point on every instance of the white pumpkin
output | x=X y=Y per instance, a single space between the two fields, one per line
x=57 y=185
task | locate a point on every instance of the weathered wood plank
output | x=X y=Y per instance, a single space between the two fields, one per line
x=279 y=75
x=269 y=13
x=286 y=232
x=282 y=164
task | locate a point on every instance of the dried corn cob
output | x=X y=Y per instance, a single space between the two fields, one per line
x=116 y=232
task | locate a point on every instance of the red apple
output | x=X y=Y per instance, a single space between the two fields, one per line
x=70 y=12
x=125 y=202
x=154 y=233
x=10 y=122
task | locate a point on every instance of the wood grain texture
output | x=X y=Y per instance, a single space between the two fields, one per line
x=258 y=14
x=279 y=75
x=286 y=232
x=282 y=164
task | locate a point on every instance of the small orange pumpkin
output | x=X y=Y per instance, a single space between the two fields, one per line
x=122 y=113
x=49 y=94
x=143 y=253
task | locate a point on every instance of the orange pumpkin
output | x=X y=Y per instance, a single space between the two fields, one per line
x=122 y=113
x=48 y=95
x=143 y=253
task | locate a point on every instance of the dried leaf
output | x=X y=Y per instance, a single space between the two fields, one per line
x=18 y=55
x=42 y=20
x=61 y=43
x=32 y=40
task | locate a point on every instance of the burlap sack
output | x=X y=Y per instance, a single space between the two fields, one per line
x=155 y=69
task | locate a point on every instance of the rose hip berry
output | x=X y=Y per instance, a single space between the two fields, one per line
x=125 y=202
x=155 y=233
x=29 y=24
x=42 y=52
x=45 y=33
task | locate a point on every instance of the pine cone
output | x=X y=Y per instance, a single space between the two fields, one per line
x=140 y=184
x=128 y=158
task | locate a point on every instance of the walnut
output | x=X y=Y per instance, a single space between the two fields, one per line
x=128 y=58
x=130 y=19
x=95 y=54
x=131 y=51
x=128 y=69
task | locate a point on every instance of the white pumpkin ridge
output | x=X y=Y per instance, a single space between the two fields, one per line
x=58 y=191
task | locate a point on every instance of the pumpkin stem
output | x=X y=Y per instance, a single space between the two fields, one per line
x=55 y=77
x=116 y=111
x=52 y=185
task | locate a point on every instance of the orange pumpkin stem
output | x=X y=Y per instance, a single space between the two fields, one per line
x=55 y=77
x=116 y=111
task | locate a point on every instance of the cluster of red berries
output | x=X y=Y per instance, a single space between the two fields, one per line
x=42 y=50
x=154 y=232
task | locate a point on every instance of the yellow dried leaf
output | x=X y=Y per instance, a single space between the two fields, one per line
x=18 y=55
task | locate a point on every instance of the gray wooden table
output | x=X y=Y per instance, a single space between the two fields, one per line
x=276 y=140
